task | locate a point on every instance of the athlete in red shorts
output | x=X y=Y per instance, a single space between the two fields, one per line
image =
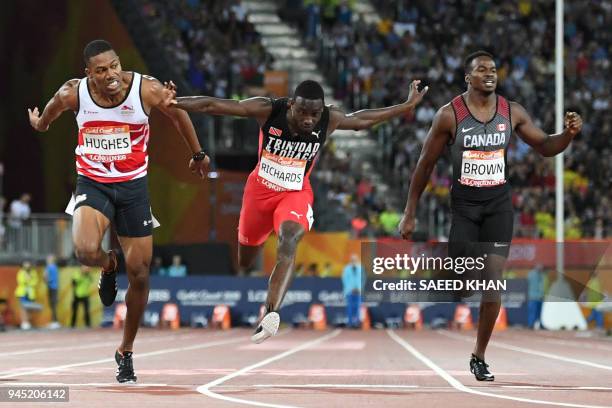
x=278 y=195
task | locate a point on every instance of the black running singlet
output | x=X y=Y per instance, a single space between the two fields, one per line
x=478 y=151
x=285 y=160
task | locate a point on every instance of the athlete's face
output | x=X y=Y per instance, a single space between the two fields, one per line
x=483 y=76
x=306 y=113
x=105 y=71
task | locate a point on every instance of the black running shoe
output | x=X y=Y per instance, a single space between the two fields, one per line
x=125 y=367
x=107 y=286
x=480 y=369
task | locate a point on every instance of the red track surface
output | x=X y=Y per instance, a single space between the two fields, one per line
x=300 y=368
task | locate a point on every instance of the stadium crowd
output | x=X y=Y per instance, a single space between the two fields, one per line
x=212 y=43
x=370 y=65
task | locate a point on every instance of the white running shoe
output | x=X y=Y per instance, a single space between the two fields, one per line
x=54 y=326
x=267 y=328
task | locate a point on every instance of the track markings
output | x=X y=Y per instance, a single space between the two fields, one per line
x=359 y=386
x=93 y=345
x=530 y=351
x=206 y=388
x=108 y=360
x=459 y=386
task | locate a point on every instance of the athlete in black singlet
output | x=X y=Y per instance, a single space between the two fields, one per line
x=477 y=126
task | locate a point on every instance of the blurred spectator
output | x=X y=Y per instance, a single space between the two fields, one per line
x=177 y=269
x=352 y=281
x=327 y=271
x=27 y=283
x=52 y=279
x=299 y=269
x=2 y=227
x=20 y=211
x=536 y=283
x=358 y=224
x=599 y=229
x=157 y=268
x=313 y=270
x=3 y=307
x=594 y=298
x=81 y=289
x=389 y=220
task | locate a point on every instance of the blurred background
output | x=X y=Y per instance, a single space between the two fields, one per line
x=365 y=53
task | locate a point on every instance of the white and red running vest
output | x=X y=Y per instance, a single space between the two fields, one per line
x=113 y=141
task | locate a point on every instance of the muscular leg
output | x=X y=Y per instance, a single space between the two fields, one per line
x=88 y=228
x=489 y=305
x=138 y=253
x=496 y=230
x=289 y=235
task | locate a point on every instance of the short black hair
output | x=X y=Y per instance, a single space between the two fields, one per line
x=94 y=48
x=467 y=63
x=309 y=89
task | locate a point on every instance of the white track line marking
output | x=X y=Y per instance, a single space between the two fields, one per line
x=580 y=343
x=95 y=345
x=61 y=384
x=81 y=336
x=205 y=389
x=137 y=357
x=360 y=386
x=459 y=386
x=67 y=339
x=421 y=388
x=529 y=351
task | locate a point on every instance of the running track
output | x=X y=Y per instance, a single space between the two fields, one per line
x=303 y=368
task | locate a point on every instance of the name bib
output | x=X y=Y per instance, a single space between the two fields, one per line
x=483 y=169
x=281 y=171
x=106 y=141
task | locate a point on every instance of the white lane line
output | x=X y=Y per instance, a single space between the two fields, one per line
x=61 y=384
x=205 y=389
x=529 y=351
x=137 y=357
x=95 y=345
x=459 y=386
x=360 y=386
x=580 y=343
x=61 y=338
x=81 y=336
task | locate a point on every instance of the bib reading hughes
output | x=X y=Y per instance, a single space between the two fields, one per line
x=112 y=142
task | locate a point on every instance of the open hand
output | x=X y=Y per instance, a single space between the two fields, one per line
x=415 y=96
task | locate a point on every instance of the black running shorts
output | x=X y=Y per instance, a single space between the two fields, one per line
x=481 y=227
x=126 y=204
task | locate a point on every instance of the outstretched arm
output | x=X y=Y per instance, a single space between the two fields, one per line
x=546 y=145
x=64 y=99
x=437 y=139
x=257 y=107
x=154 y=95
x=367 y=118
